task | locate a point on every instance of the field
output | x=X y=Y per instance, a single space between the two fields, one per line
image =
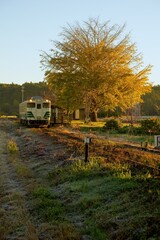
x=97 y=127
x=47 y=191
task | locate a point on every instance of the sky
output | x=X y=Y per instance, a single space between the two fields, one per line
x=28 y=27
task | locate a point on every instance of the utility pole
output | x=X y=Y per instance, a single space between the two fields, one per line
x=22 y=93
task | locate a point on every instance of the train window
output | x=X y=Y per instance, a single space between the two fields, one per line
x=38 y=106
x=45 y=105
x=31 y=105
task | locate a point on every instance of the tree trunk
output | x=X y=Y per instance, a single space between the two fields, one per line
x=93 y=116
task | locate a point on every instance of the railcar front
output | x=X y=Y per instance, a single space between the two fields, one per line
x=35 y=112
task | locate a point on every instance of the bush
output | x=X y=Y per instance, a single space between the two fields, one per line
x=124 y=129
x=151 y=125
x=134 y=130
x=138 y=131
x=112 y=124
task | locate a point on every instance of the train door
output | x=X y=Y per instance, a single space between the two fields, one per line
x=39 y=111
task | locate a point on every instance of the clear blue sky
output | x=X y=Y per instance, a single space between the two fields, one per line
x=28 y=26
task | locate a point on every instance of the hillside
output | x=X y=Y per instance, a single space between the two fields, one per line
x=11 y=95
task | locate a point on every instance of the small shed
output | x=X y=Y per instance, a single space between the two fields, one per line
x=79 y=114
x=58 y=115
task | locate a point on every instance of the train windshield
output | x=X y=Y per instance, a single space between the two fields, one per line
x=31 y=105
x=45 y=105
x=38 y=106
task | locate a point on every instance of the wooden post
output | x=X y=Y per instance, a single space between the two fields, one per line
x=87 y=140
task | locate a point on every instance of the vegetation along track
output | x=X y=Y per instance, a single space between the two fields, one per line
x=28 y=156
x=111 y=151
x=25 y=160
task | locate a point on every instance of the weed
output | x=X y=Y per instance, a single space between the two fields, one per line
x=12 y=146
x=80 y=165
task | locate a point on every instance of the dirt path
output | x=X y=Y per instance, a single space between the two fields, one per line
x=13 y=205
x=19 y=174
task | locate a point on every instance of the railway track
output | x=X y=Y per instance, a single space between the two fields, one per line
x=134 y=155
x=100 y=146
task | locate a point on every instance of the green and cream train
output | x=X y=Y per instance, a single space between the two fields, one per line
x=35 y=112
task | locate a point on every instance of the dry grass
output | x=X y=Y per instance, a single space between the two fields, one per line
x=23 y=171
x=12 y=146
x=31 y=232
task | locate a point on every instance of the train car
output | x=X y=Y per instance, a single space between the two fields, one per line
x=35 y=112
x=58 y=115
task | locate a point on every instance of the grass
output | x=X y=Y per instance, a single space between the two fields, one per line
x=47 y=204
x=109 y=202
x=79 y=123
x=104 y=199
x=23 y=171
x=136 y=138
x=98 y=128
x=15 y=221
x=12 y=146
x=4 y=224
x=51 y=211
x=107 y=198
x=88 y=127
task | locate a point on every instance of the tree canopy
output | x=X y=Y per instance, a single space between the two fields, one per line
x=95 y=66
x=151 y=102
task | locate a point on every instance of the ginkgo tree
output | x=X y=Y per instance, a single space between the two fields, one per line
x=96 y=66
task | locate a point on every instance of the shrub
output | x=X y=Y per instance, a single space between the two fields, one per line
x=138 y=131
x=112 y=124
x=151 y=125
x=124 y=129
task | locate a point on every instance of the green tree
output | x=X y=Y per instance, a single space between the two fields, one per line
x=95 y=66
x=151 y=102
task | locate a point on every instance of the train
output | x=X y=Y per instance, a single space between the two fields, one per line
x=38 y=111
x=35 y=112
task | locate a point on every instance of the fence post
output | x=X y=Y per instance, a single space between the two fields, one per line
x=87 y=140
